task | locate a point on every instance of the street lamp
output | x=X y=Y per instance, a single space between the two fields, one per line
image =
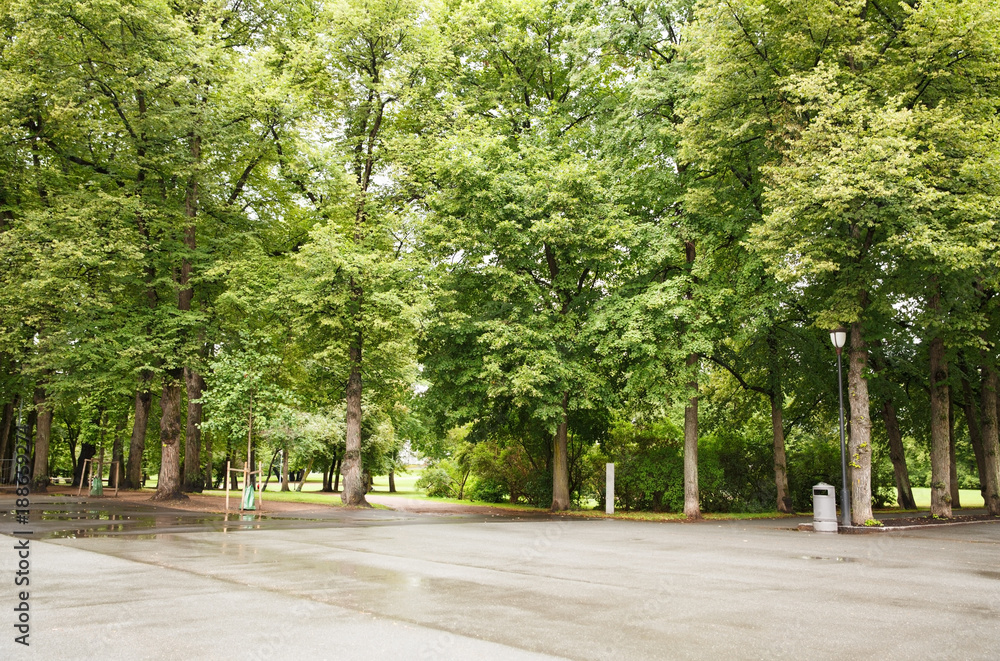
x=839 y=338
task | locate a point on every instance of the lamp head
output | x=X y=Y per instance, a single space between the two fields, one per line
x=839 y=337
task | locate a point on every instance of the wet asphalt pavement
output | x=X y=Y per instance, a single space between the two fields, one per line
x=118 y=580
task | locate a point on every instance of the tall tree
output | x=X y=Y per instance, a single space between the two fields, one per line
x=378 y=63
x=525 y=230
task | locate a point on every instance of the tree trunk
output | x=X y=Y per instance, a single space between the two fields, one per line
x=29 y=434
x=780 y=464
x=991 y=442
x=117 y=452
x=171 y=479
x=975 y=432
x=354 y=489
x=940 y=456
x=233 y=477
x=336 y=476
x=137 y=445
x=392 y=481
x=168 y=486
x=5 y=426
x=860 y=448
x=904 y=492
x=267 y=473
x=328 y=474
x=284 y=470
x=40 y=472
x=192 y=437
x=952 y=461
x=692 y=506
x=692 y=500
x=209 y=482
x=252 y=462
x=305 y=476
x=87 y=451
x=560 y=461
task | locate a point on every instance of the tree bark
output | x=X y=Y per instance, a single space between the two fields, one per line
x=560 y=461
x=269 y=469
x=305 y=476
x=904 y=492
x=940 y=456
x=209 y=482
x=956 y=502
x=328 y=474
x=5 y=426
x=975 y=432
x=354 y=489
x=692 y=506
x=991 y=442
x=336 y=476
x=284 y=470
x=192 y=437
x=137 y=445
x=168 y=486
x=233 y=477
x=780 y=463
x=392 y=481
x=692 y=500
x=860 y=448
x=29 y=433
x=43 y=433
x=87 y=451
x=170 y=482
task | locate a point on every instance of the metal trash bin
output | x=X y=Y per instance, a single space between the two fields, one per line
x=824 y=508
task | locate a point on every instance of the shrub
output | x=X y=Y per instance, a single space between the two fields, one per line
x=436 y=481
x=811 y=460
x=736 y=472
x=487 y=490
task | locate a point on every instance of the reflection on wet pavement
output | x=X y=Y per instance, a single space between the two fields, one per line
x=55 y=517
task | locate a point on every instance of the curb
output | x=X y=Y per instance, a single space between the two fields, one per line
x=869 y=530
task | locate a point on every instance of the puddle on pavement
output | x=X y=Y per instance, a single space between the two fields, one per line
x=136 y=522
x=828 y=558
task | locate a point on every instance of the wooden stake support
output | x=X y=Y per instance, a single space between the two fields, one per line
x=85 y=476
x=246 y=477
x=246 y=467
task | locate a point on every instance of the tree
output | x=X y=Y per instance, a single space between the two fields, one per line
x=525 y=232
x=357 y=291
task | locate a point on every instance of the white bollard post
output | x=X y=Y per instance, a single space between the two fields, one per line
x=609 y=497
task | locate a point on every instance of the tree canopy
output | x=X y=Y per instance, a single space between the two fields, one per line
x=524 y=237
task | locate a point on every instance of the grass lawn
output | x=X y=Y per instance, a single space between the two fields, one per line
x=312 y=497
x=679 y=516
x=405 y=488
x=404 y=484
x=966 y=497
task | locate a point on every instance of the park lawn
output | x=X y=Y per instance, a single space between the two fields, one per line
x=405 y=483
x=311 y=497
x=405 y=488
x=679 y=516
x=966 y=497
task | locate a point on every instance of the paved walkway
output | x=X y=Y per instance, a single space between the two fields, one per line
x=390 y=585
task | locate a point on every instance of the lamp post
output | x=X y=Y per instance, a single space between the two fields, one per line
x=839 y=338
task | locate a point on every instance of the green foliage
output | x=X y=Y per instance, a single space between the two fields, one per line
x=487 y=490
x=528 y=212
x=812 y=459
x=436 y=480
